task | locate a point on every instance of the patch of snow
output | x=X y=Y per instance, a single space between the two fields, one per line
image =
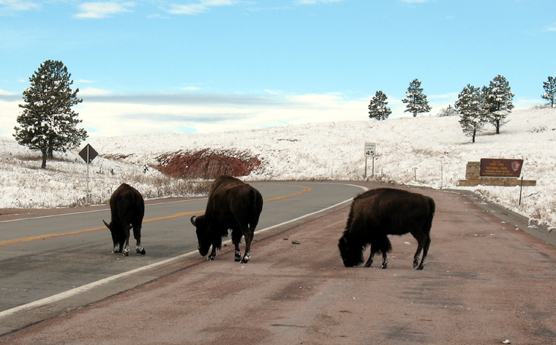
x=423 y=151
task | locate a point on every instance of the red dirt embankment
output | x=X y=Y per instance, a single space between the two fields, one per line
x=207 y=163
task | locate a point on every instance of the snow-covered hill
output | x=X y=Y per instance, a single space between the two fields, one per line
x=425 y=151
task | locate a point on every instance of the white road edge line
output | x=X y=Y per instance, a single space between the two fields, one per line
x=87 y=287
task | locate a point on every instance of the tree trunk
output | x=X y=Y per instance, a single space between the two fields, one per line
x=474 y=131
x=44 y=156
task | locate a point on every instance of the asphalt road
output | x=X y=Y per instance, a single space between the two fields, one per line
x=487 y=281
x=48 y=255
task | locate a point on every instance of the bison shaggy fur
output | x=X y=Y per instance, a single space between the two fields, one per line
x=232 y=204
x=127 y=209
x=377 y=213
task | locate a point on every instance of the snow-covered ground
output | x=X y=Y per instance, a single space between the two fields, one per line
x=424 y=151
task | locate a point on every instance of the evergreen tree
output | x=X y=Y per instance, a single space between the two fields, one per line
x=416 y=101
x=48 y=123
x=378 y=108
x=470 y=107
x=550 y=91
x=498 y=101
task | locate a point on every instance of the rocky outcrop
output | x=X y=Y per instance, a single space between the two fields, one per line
x=207 y=164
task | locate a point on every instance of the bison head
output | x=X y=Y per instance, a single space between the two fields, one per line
x=203 y=237
x=351 y=254
x=118 y=237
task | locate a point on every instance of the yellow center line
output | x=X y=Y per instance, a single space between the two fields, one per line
x=181 y=214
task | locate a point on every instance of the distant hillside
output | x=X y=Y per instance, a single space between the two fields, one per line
x=423 y=151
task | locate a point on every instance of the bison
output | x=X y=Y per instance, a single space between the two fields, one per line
x=127 y=209
x=377 y=213
x=233 y=205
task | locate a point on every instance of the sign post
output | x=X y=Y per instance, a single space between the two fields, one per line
x=370 y=151
x=88 y=154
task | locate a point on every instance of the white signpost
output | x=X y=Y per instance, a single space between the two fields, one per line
x=370 y=151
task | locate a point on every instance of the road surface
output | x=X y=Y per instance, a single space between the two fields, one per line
x=51 y=254
x=487 y=281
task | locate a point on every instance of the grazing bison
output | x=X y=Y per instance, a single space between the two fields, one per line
x=381 y=212
x=231 y=204
x=127 y=208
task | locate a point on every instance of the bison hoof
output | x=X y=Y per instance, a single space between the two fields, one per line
x=126 y=253
x=246 y=259
x=142 y=252
x=237 y=256
x=210 y=258
x=384 y=266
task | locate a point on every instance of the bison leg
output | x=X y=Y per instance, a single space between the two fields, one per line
x=423 y=245
x=137 y=234
x=369 y=262
x=374 y=249
x=384 y=261
x=236 y=239
x=126 y=244
x=425 y=252
x=248 y=239
x=212 y=254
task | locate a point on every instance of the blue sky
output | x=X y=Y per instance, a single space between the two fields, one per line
x=214 y=65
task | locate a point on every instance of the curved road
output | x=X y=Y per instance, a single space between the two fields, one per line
x=487 y=281
x=45 y=256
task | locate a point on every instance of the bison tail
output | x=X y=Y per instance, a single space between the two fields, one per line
x=428 y=224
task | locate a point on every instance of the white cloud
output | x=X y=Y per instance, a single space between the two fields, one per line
x=18 y=5
x=98 y=10
x=91 y=91
x=199 y=7
x=6 y=93
x=105 y=114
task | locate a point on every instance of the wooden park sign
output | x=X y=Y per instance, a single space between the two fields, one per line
x=495 y=172
x=501 y=167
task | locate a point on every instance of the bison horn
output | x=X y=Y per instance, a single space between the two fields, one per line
x=193 y=220
x=107 y=225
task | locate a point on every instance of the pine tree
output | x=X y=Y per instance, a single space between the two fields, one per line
x=378 y=108
x=416 y=101
x=549 y=91
x=498 y=101
x=47 y=122
x=470 y=107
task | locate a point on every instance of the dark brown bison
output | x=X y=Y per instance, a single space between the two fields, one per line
x=377 y=213
x=127 y=208
x=233 y=205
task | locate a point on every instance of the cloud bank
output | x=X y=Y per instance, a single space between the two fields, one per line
x=97 y=10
